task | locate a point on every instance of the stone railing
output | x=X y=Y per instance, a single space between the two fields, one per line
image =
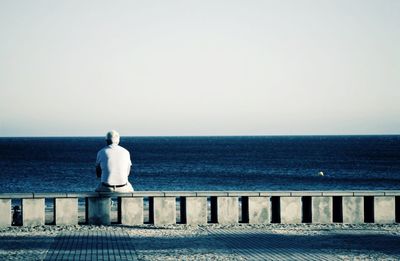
x=202 y=207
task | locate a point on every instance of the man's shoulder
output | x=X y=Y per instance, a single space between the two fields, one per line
x=123 y=149
x=102 y=150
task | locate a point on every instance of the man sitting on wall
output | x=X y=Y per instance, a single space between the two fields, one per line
x=113 y=166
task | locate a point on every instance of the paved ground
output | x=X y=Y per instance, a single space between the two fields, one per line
x=246 y=244
x=330 y=245
x=92 y=245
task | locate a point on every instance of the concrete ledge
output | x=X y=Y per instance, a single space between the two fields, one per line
x=148 y=193
x=338 y=193
x=369 y=193
x=16 y=195
x=275 y=194
x=211 y=194
x=179 y=193
x=82 y=194
x=305 y=193
x=243 y=193
x=392 y=193
x=49 y=195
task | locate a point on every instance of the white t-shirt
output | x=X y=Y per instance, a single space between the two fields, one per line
x=115 y=163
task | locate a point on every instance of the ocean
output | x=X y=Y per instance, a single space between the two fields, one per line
x=207 y=163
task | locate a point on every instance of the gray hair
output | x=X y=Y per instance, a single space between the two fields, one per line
x=113 y=137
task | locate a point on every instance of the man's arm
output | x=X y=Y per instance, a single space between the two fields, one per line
x=98 y=171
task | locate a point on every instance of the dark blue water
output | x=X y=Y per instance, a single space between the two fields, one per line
x=207 y=163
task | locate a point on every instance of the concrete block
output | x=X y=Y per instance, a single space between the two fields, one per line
x=227 y=210
x=5 y=212
x=353 y=210
x=99 y=211
x=66 y=211
x=131 y=211
x=322 y=208
x=259 y=210
x=196 y=210
x=33 y=212
x=164 y=209
x=291 y=210
x=384 y=210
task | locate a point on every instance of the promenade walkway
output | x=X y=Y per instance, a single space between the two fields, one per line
x=211 y=242
x=239 y=244
x=92 y=245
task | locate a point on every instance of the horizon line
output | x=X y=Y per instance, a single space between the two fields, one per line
x=212 y=135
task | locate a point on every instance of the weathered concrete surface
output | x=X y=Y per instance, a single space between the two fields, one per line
x=259 y=210
x=164 y=210
x=33 y=212
x=196 y=210
x=131 y=211
x=66 y=211
x=290 y=210
x=384 y=210
x=99 y=211
x=227 y=210
x=322 y=210
x=5 y=212
x=353 y=210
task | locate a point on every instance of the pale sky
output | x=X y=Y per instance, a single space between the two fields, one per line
x=81 y=68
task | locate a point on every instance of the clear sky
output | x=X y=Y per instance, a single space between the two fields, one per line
x=218 y=67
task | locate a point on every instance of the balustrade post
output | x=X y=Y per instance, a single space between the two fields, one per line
x=291 y=210
x=384 y=209
x=227 y=210
x=66 y=211
x=196 y=210
x=33 y=212
x=164 y=210
x=322 y=208
x=131 y=211
x=99 y=211
x=353 y=210
x=5 y=212
x=259 y=210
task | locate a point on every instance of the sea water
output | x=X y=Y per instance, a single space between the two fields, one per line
x=207 y=163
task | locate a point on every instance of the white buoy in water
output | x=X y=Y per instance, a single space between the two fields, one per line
x=320 y=173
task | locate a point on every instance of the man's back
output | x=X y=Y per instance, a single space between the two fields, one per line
x=115 y=164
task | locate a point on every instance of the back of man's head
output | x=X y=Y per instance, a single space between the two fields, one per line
x=112 y=137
